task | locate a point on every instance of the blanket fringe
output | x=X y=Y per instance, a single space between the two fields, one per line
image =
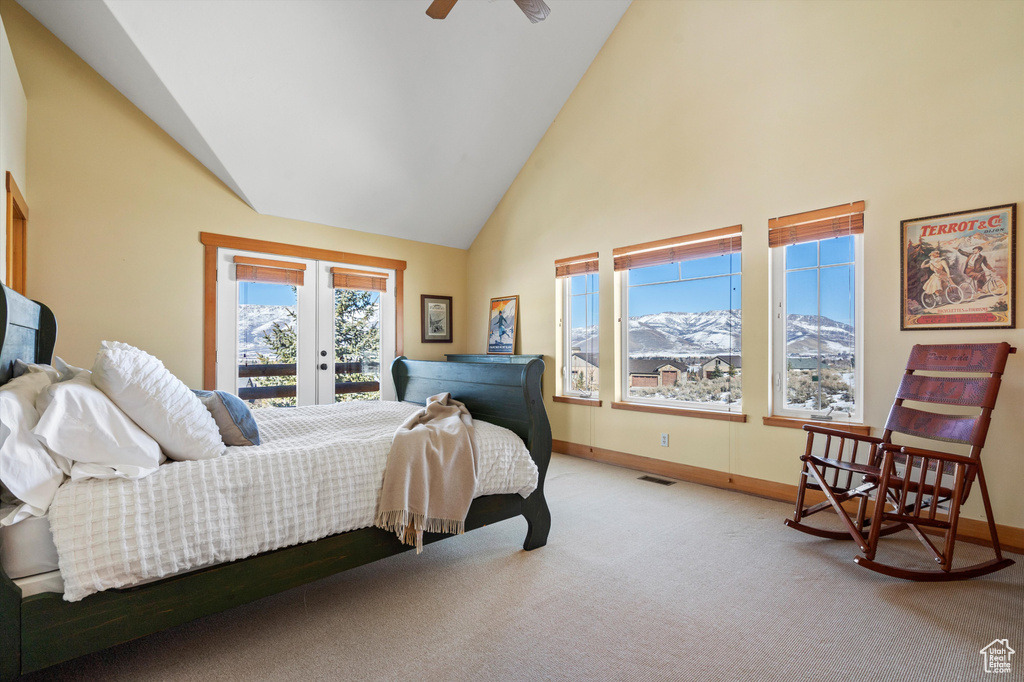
x=409 y=527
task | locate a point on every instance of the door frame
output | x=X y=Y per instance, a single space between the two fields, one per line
x=213 y=242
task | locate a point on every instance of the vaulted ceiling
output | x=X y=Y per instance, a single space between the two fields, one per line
x=363 y=114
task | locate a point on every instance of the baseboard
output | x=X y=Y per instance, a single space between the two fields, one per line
x=1011 y=538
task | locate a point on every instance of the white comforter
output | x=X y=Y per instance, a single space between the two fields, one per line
x=318 y=472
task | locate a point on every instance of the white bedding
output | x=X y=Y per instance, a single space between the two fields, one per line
x=318 y=472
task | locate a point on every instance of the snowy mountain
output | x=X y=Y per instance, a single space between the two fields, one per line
x=717 y=332
x=803 y=332
x=253 y=321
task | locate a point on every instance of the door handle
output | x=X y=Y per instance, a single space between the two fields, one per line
x=323 y=365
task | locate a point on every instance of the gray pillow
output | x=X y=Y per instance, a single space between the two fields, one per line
x=233 y=417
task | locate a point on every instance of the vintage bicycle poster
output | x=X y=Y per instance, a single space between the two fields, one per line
x=958 y=270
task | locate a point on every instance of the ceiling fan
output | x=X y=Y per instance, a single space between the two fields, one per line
x=535 y=10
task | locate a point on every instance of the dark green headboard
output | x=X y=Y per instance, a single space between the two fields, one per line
x=28 y=331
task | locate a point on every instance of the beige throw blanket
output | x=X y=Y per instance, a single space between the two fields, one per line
x=431 y=473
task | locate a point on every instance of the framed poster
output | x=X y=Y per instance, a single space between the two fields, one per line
x=501 y=325
x=958 y=270
x=435 y=319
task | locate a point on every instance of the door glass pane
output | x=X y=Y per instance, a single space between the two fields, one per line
x=267 y=315
x=356 y=345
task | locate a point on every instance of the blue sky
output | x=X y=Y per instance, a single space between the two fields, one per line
x=258 y=293
x=265 y=294
x=695 y=287
x=837 y=280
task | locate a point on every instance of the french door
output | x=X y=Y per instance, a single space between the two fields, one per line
x=294 y=331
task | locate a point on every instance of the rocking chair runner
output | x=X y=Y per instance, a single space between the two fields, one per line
x=916 y=483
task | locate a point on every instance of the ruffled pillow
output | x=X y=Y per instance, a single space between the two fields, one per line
x=157 y=401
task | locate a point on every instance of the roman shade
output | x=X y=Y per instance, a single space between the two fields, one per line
x=360 y=280
x=688 y=247
x=268 y=271
x=577 y=265
x=825 y=223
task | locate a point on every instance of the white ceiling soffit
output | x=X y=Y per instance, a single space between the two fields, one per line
x=363 y=114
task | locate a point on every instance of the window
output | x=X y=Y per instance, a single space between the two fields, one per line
x=817 y=289
x=681 y=321
x=292 y=330
x=579 y=327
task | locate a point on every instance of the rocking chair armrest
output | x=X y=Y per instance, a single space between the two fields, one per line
x=839 y=433
x=844 y=465
x=935 y=454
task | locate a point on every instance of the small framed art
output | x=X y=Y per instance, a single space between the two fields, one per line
x=435 y=319
x=501 y=325
x=958 y=271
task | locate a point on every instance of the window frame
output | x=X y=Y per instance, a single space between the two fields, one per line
x=17 y=235
x=779 y=357
x=730 y=412
x=212 y=244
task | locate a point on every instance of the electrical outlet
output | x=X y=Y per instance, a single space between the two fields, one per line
x=664 y=440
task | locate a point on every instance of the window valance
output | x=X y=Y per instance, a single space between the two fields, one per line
x=577 y=265
x=268 y=271
x=824 y=223
x=359 y=279
x=688 y=247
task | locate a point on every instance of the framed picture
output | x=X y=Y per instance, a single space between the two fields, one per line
x=436 y=319
x=501 y=325
x=958 y=270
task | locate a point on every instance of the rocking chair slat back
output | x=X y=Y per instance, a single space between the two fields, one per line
x=945 y=427
x=973 y=357
x=965 y=392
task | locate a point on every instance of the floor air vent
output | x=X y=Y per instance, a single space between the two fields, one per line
x=659 y=481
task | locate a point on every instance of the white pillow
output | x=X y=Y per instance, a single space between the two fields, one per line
x=82 y=424
x=157 y=401
x=26 y=468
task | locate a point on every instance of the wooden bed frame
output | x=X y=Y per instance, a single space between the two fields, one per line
x=43 y=629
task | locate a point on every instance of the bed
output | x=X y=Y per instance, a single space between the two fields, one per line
x=43 y=629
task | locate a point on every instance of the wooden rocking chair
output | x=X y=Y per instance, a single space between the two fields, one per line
x=925 y=488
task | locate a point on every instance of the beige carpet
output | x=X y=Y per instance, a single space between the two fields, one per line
x=638 y=582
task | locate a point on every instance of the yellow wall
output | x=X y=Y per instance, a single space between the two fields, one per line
x=700 y=115
x=116 y=211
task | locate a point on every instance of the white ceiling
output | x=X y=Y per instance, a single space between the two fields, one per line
x=363 y=114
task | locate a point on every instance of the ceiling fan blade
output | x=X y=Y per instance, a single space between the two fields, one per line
x=439 y=9
x=535 y=10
